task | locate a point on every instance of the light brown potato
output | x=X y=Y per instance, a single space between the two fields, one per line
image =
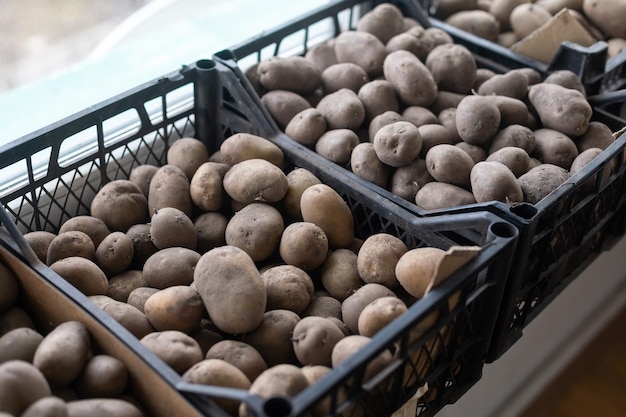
x=171 y=227
x=585 y=158
x=21 y=384
x=597 y=135
x=304 y=245
x=10 y=288
x=340 y=275
x=256 y=229
x=415 y=40
x=255 y=180
x=343 y=75
x=94 y=227
x=175 y=308
x=527 y=17
x=407 y=180
x=143 y=247
x=122 y=284
x=102 y=376
x=515 y=159
x=169 y=188
x=211 y=229
x=46 y=407
x=411 y=78
x=314 y=339
x=350 y=345
x=567 y=79
x=298 y=180
x=361 y=48
x=324 y=306
x=106 y=407
x=137 y=297
x=129 y=317
x=378 y=314
x=560 y=108
x=397 y=144
x=241 y=146
x=377 y=258
x=494 y=181
x=288 y=287
x=239 y=354
x=541 y=180
x=337 y=145
x=38 y=240
x=477 y=153
x=323 y=206
x=306 y=127
x=283 y=105
x=62 y=353
x=383 y=21
x=352 y=306
x=502 y=9
x=512 y=84
x=205 y=187
x=446 y=62
x=447 y=118
x=513 y=135
x=187 y=154
x=19 y=344
x=70 y=243
x=170 y=266
x=342 y=109
x=607 y=16
x=115 y=253
x=322 y=55
x=115 y=198
x=83 y=274
x=378 y=96
x=175 y=348
x=449 y=164
x=416 y=267
x=231 y=288
x=292 y=73
x=554 y=147
x=477 y=119
x=437 y=195
x=513 y=111
x=141 y=175
x=478 y=22
x=313 y=374
x=272 y=338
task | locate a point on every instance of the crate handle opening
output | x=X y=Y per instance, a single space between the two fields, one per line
x=277 y=407
x=524 y=210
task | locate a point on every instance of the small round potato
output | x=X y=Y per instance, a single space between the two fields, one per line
x=122 y=284
x=554 y=147
x=365 y=164
x=255 y=180
x=175 y=348
x=205 y=187
x=187 y=154
x=272 y=338
x=306 y=127
x=449 y=164
x=103 y=376
x=131 y=318
x=406 y=181
x=342 y=109
x=446 y=62
x=280 y=380
x=340 y=275
x=170 y=266
x=398 y=144
x=242 y=146
x=337 y=145
x=323 y=206
x=70 y=243
x=175 y=308
x=239 y=354
x=541 y=180
x=138 y=297
x=83 y=274
x=94 y=227
x=352 y=306
x=256 y=229
x=19 y=344
x=141 y=175
x=288 y=287
x=514 y=158
x=39 y=240
x=304 y=245
x=494 y=181
x=376 y=261
x=171 y=227
x=378 y=314
x=416 y=268
x=477 y=119
x=211 y=230
x=115 y=253
x=350 y=345
x=298 y=180
x=21 y=384
x=314 y=339
x=120 y=204
x=169 y=188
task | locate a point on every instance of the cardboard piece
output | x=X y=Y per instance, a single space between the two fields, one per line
x=455 y=258
x=543 y=43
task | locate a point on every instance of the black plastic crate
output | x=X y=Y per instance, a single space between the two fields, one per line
x=55 y=172
x=559 y=236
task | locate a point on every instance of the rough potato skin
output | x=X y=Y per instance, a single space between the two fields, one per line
x=436 y=195
x=446 y=62
x=293 y=73
x=255 y=180
x=398 y=144
x=554 y=147
x=477 y=119
x=560 y=108
x=541 y=180
x=377 y=258
x=342 y=109
x=493 y=181
x=412 y=80
x=361 y=48
x=449 y=164
x=117 y=197
x=21 y=384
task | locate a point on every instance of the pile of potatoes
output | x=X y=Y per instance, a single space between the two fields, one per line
x=405 y=108
x=238 y=272
x=509 y=21
x=55 y=374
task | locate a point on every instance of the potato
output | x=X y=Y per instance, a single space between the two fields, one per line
x=94 y=227
x=138 y=297
x=477 y=119
x=21 y=384
x=141 y=175
x=378 y=96
x=306 y=127
x=482 y=75
x=397 y=144
x=560 y=108
x=129 y=317
x=339 y=275
x=46 y=407
x=323 y=206
x=585 y=158
x=210 y=229
x=513 y=136
x=323 y=306
x=378 y=314
x=242 y=146
x=304 y=245
x=205 y=187
x=256 y=229
x=83 y=274
x=314 y=373
x=607 y=16
x=288 y=287
x=445 y=100
x=143 y=247
x=449 y=164
x=416 y=267
x=19 y=344
x=350 y=345
x=477 y=153
x=322 y=55
x=175 y=308
x=567 y=79
x=528 y=17
x=13 y=318
x=501 y=9
x=433 y=134
x=219 y=373
x=292 y=73
x=231 y=288
x=122 y=284
x=597 y=135
x=376 y=261
x=102 y=376
x=414 y=40
x=102 y=407
x=554 y=147
x=541 y=180
x=406 y=181
x=352 y=306
x=239 y=354
x=419 y=116
x=169 y=188
x=272 y=338
x=342 y=109
x=171 y=227
x=446 y=62
x=477 y=22
x=175 y=348
x=39 y=240
x=555 y=6
x=516 y=159
x=314 y=339
x=187 y=154
x=411 y=78
x=298 y=180
x=170 y=266
x=383 y=21
x=512 y=84
x=383 y=119
x=437 y=195
x=284 y=380
x=446 y=8
x=62 y=353
x=343 y=75
x=447 y=118
x=494 y=181
x=337 y=145
x=115 y=198
x=70 y=243
x=255 y=180
x=115 y=253
x=10 y=288
x=361 y=48
x=284 y=105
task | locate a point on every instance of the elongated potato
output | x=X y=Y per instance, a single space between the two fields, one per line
x=293 y=73
x=412 y=80
x=323 y=206
x=83 y=274
x=21 y=384
x=494 y=181
x=255 y=180
x=169 y=187
x=116 y=197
